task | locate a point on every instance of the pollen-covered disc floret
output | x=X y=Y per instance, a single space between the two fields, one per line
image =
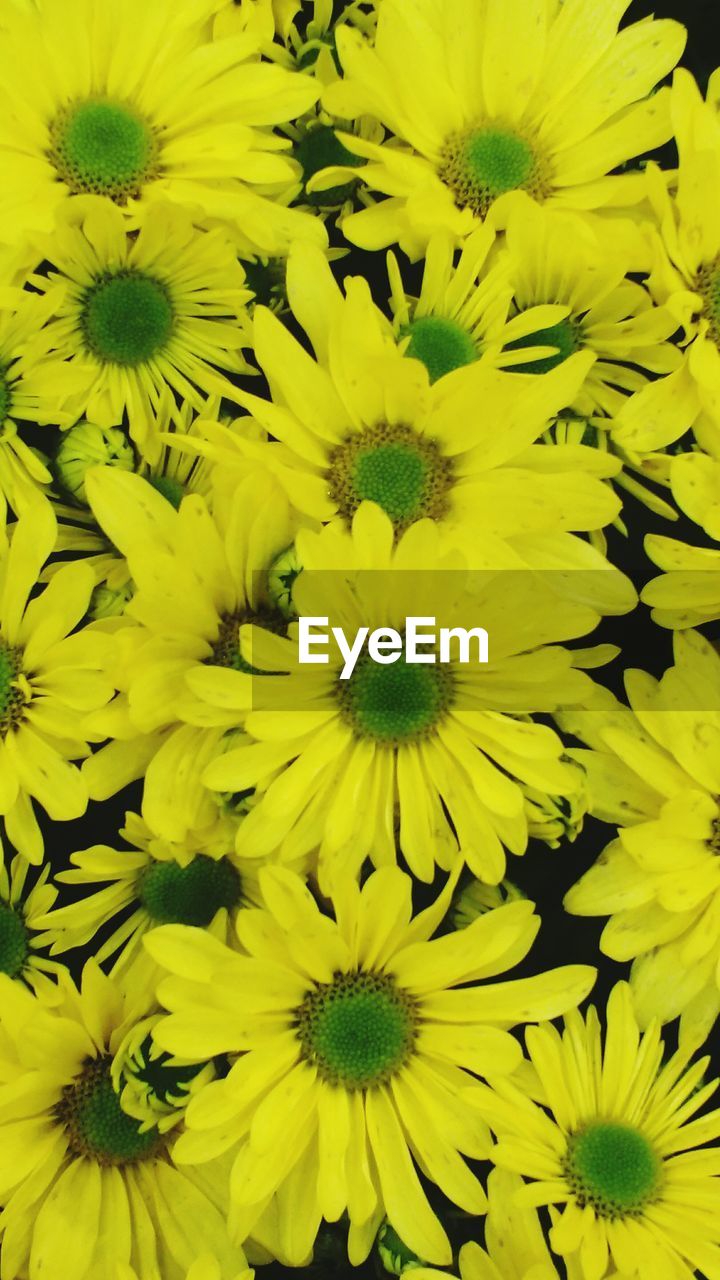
x=97 y=1128
x=614 y=1168
x=226 y=646
x=191 y=895
x=708 y=284
x=103 y=147
x=12 y=697
x=14 y=947
x=402 y=472
x=486 y=162
x=398 y=704
x=358 y=1030
x=127 y=317
x=5 y=397
x=440 y=343
x=565 y=335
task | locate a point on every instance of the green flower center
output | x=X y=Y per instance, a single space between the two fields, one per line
x=14 y=948
x=566 y=336
x=172 y=894
x=97 y=1127
x=104 y=147
x=395 y=704
x=403 y=472
x=319 y=149
x=708 y=284
x=613 y=1168
x=442 y=345
x=12 y=698
x=127 y=318
x=482 y=164
x=170 y=488
x=358 y=1030
x=5 y=397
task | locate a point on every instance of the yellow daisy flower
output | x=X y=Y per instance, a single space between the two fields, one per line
x=80 y=1180
x=34 y=387
x=362 y=422
x=21 y=906
x=49 y=680
x=164 y=308
x=136 y=104
x=199 y=573
x=688 y=592
x=353 y=1047
x=612 y=1139
x=155 y=881
x=499 y=96
x=441 y=750
x=686 y=274
x=653 y=773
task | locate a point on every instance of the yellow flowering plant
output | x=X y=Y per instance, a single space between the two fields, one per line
x=359 y=648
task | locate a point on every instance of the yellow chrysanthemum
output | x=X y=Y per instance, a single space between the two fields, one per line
x=686 y=274
x=34 y=387
x=441 y=751
x=154 y=881
x=198 y=574
x=495 y=96
x=653 y=772
x=21 y=906
x=363 y=422
x=611 y=1138
x=49 y=680
x=516 y=1248
x=353 y=1048
x=141 y=313
x=688 y=592
x=136 y=104
x=84 y=1187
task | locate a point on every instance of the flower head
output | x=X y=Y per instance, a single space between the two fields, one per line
x=612 y=1139
x=78 y=1170
x=141 y=313
x=441 y=750
x=482 y=112
x=152 y=110
x=351 y=1039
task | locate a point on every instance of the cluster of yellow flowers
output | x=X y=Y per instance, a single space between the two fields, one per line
x=277 y=998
